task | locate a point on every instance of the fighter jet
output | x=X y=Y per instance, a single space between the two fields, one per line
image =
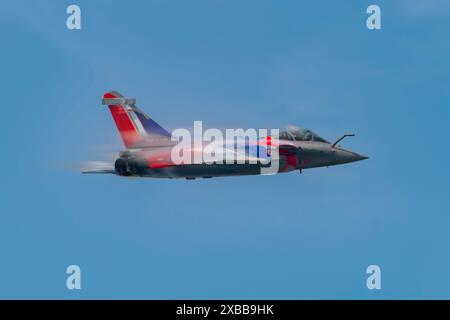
x=149 y=149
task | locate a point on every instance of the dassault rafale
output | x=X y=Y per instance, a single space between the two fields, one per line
x=149 y=149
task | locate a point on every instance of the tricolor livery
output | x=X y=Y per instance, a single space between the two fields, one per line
x=149 y=149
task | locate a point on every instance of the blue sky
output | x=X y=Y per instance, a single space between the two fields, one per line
x=260 y=64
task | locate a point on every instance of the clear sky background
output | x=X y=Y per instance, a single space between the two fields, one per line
x=260 y=64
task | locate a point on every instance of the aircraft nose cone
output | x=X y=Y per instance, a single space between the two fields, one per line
x=346 y=156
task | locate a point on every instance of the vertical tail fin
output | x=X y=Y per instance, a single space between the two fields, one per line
x=133 y=124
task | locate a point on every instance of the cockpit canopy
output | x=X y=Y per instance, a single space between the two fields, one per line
x=299 y=134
